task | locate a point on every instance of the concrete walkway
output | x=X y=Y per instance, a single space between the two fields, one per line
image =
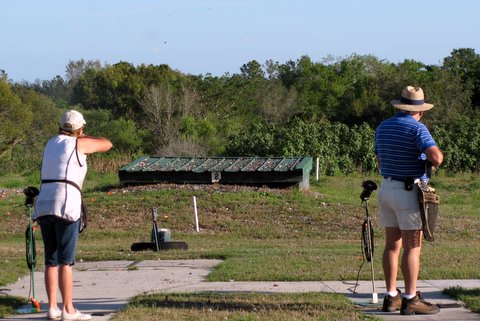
x=102 y=288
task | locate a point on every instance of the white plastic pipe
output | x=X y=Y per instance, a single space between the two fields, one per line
x=316 y=168
x=196 y=214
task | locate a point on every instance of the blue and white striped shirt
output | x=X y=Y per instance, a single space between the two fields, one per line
x=399 y=142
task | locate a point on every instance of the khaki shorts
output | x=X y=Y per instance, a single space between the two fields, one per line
x=398 y=207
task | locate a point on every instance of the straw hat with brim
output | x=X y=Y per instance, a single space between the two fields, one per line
x=412 y=100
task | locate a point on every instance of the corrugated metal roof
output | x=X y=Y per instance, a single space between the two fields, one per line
x=228 y=170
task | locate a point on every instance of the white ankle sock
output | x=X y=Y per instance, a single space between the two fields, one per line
x=392 y=294
x=409 y=296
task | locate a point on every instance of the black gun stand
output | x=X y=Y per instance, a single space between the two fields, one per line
x=367 y=237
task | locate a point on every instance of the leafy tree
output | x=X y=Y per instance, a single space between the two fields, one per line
x=121 y=87
x=202 y=132
x=231 y=99
x=45 y=115
x=27 y=155
x=252 y=70
x=318 y=85
x=124 y=134
x=288 y=72
x=445 y=91
x=411 y=72
x=325 y=108
x=197 y=129
x=465 y=63
x=362 y=99
x=277 y=104
x=16 y=119
x=57 y=89
x=75 y=69
x=272 y=69
x=117 y=88
x=156 y=75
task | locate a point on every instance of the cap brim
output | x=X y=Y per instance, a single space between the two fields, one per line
x=398 y=104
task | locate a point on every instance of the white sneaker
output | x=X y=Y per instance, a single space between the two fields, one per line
x=54 y=314
x=77 y=316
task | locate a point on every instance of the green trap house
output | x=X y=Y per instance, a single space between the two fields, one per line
x=257 y=171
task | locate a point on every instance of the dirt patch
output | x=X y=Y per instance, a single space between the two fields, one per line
x=5 y=192
x=209 y=188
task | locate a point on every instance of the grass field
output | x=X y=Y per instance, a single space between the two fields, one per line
x=260 y=233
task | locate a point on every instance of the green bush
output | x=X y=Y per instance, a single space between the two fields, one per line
x=340 y=149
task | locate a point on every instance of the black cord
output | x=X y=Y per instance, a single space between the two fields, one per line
x=363 y=244
x=361 y=265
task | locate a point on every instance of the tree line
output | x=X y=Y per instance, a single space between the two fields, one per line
x=327 y=109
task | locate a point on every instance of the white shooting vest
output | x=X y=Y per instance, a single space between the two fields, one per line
x=61 y=161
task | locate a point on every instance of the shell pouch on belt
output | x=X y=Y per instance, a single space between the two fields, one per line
x=428 y=201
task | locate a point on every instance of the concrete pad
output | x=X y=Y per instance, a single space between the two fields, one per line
x=102 y=288
x=451 y=310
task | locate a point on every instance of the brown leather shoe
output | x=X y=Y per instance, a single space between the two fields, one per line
x=392 y=303
x=417 y=305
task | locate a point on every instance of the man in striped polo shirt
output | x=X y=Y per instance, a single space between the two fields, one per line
x=403 y=145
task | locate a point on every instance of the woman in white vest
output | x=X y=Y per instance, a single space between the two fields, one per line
x=58 y=208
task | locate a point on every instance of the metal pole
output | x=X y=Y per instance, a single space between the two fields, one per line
x=35 y=303
x=155 y=229
x=197 y=228
x=32 y=251
x=369 y=243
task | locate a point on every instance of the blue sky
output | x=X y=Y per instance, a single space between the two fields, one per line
x=39 y=38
